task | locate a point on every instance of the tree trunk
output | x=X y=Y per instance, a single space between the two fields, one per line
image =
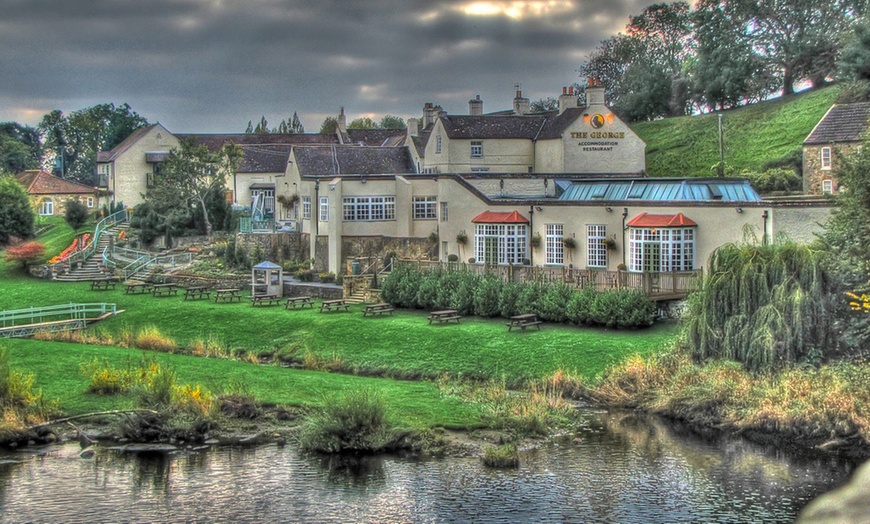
x=787 y=81
x=208 y=227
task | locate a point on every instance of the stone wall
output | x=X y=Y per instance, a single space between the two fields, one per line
x=380 y=246
x=813 y=173
x=317 y=290
x=275 y=247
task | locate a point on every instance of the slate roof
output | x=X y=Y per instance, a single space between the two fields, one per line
x=108 y=156
x=38 y=182
x=214 y=141
x=376 y=137
x=557 y=123
x=352 y=160
x=266 y=158
x=842 y=123
x=661 y=189
x=483 y=126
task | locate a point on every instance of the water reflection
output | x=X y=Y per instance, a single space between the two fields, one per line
x=619 y=467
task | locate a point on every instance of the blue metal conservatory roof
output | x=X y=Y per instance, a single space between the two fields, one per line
x=659 y=189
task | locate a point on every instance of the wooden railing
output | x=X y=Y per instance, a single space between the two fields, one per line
x=656 y=285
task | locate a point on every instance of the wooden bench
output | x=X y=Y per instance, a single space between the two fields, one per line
x=227 y=295
x=334 y=305
x=445 y=316
x=102 y=283
x=378 y=309
x=195 y=293
x=524 y=321
x=270 y=300
x=164 y=290
x=292 y=302
x=132 y=288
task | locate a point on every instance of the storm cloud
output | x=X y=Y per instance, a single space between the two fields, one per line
x=211 y=66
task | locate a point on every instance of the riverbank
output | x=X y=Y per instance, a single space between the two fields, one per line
x=825 y=408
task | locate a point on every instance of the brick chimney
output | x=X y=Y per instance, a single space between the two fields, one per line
x=413 y=127
x=428 y=114
x=342 y=121
x=475 y=106
x=567 y=99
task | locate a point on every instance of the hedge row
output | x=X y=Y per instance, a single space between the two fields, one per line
x=489 y=296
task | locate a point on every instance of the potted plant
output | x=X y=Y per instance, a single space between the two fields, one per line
x=569 y=242
x=288 y=200
x=461 y=238
x=609 y=243
x=535 y=241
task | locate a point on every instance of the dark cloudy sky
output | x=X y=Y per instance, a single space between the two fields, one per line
x=212 y=65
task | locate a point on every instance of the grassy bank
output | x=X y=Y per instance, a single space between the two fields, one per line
x=827 y=407
x=403 y=345
x=753 y=135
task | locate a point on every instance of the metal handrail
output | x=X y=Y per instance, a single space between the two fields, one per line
x=86 y=252
x=38 y=315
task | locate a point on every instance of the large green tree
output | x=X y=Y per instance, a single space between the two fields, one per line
x=16 y=214
x=20 y=147
x=78 y=138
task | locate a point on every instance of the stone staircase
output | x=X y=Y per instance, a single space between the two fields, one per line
x=93 y=268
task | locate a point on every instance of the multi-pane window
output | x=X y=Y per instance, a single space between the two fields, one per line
x=265 y=198
x=363 y=209
x=90 y=201
x=46 y=207
x=438 y=144
x=826 y=158
x=665 y=249
x=500 y=243
x=554 y=249
x=444 y=211
x=425 y=208
x=827 y=186
x=306 y=207
x=596 y=249
x=476 y=149
x=324 y=209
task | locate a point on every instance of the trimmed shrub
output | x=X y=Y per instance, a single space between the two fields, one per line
x=462 y=298
x=622 y=309
x=552 y=303
x=486 y=296
x=530 y=294
x=430 y=293
x=507 y=300
x=579 y=306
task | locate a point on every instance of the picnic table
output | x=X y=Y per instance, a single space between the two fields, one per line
x=227 y=295
x=102 y=283
x=164 y=290
x=444 y=316
x=292 y=302
x=524 y=321
x=265 y=299
x=132 y=288
x=334 y=305
x=196 y=292
x=378 y=309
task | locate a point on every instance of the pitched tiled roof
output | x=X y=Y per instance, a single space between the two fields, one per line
x=558 y=122
x=108 y=156
x=42 y=183
x=500 y=217
x=483 y=126
x=647 y=220
x=266 y=158
x=376 y=137
x=215 y=141
x=353 y=160
x=842 y=123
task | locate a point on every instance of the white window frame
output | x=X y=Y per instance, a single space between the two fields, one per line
x=826 y=160
x=268 y=199
x=306 y=208
x=476 y=149
x=596 y=249
x=554 y=248
x=425 y=207
x=827 y=186
x=324 y=209
x=46 y=207
x=508 y=241
x=444 y=213
x=369 y=208
x=90 y=202
x=437 y=143
x=661 y=249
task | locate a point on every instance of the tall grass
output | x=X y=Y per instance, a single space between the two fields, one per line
x=352 y=421
x=21 y=404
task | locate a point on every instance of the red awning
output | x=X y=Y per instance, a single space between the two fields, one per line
x=647 y=220
x=493 y=217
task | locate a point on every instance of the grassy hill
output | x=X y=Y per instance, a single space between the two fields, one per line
x=754 y=135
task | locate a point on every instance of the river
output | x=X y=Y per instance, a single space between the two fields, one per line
x=616 y=468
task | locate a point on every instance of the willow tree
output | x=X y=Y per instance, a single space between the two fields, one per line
x=766 y=306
